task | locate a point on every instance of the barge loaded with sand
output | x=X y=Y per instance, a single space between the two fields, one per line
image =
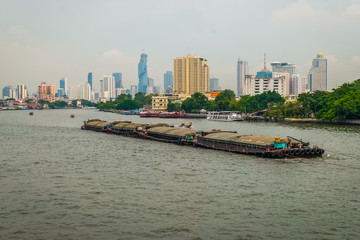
x=261 y=146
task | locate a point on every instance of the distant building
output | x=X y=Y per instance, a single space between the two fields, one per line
x=107 y=87
x=21 y=91
x=82 y=91
x=317 y=77
x=281 y=67
x=64 y=85
x=242 y=71
x=214 y=94
x=151 y=82
x=118 y=80
x=168 y=89
x=9 y=92
x=133 y=90
x=157 y=89
x=191 y=74
x=120 y=91
x=149 y=90
x=214 y=84
x=90 y=79
x=168 y=79
x=46 y=92
x=265 y=81
x=142 y=73
x=159 y=102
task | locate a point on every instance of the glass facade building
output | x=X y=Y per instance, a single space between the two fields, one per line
x=242 y=71
x=142 y=73
x=118 y=80
x=168 y=79
x=90 y=80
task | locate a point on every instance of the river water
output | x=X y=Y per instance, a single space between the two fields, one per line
x=58 y=182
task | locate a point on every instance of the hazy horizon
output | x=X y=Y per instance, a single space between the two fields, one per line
x=43 y=41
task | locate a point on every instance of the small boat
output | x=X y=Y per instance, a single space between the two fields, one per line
x=31 y=113
x=226 y=116
x=72 y=116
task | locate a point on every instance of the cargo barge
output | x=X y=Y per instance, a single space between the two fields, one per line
x=261 y=146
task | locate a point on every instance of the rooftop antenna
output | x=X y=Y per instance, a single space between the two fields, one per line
x=264 y=61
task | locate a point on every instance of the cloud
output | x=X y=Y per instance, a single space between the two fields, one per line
x=302 y=13
x=18 y=30
x=340 y=72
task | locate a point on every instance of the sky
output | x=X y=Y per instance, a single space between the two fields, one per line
x=43 y=41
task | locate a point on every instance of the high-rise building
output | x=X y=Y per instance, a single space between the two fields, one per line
x=168 y=79
x=118 y=80
x=7 y=92
x=317 y=77
x=265 y=81
x=82 y=91
x=281 y=67
x=142 y=73
x=90 y=80
x=21 y=91
x=64 y=85
x=191 y=74
x=242 y=71
x=151 y=82
x=46 y=92
x=133 y=90
x=214 y=84
x=299 y=84
x=107 y=87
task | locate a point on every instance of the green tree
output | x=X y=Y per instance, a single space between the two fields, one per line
x=140 y=96
x=173 y=107
x=226 y=95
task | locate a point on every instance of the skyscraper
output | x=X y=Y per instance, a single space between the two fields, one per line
x=214 y=84
x=21 y=91
x=118 y=80
x=242 y=71
x=142 y=73
x=63 y=85
x=317 y=77
x=90 y=80
x=168 y=79
x=107 y=87
x=133 y=90
x=191 y=74
x=6 y=92
x=280 y=67
x=46 y=92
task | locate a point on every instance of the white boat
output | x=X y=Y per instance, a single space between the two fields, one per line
x=224 y=116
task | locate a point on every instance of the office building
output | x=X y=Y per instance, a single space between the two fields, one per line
x=21 y=91
x=168 y=79
x=64 y=85
x=118 y=80
x=82 y=91
x=107 y=87
x=242 y=71
x=151 y=82
x=133 y=90
x=265 y=81
x=142 y=73
x=214 y=84
x=9 y=92
x=299 y=84
x=46 y=92
x=191 y=74
x=317 y=77
x=90 y=79
x=283 y=67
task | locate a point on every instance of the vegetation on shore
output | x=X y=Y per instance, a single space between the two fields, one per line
x=342 y=103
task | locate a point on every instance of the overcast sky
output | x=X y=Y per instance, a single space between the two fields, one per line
x=42 y=41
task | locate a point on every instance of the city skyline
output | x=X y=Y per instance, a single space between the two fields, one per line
x=34 y=52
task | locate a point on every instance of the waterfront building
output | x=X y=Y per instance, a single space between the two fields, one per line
x=265 y=81
x=283 y=66
x=242 y=71
x=118 y=80
x=214 y=84
x=46 y=92
x=191 y=74
x=64 y=85
x=133 y=90
x=90 y=79
x=142 y=73
x=82 y=91
x=159 y=103
x=317 y=77
x=168 y=79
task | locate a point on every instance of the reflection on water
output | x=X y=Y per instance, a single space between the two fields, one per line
x=58 y=182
